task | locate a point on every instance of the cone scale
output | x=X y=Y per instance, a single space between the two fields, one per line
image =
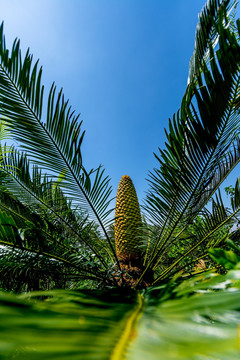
x=127 y=222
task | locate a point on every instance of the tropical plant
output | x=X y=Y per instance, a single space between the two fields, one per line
x=56 y=228
x=54 y=208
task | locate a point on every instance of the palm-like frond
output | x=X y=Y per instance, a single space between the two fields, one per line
x=197 y=318
x=28 y=237
x=207 y=32
x=43 y=195
x=204 y=236
x=202 y=148
x=203 y=137
x=48 y=238
x=22 y=270
x=54 y=144
x=35 y=218
x=4 y=131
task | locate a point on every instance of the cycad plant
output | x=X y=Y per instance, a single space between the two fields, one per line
x=139 y=298
x=55 y=210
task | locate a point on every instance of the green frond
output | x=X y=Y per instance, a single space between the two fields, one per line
x=203 y=140
x=53 y=206
x=4 y=131
x=197 y=317
x=207 y=31
x=24 y=271
x=209 y=234
x=44 y=235
x=55 y=143
x=43 y=196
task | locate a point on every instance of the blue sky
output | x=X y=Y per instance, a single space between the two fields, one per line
x=122 y=63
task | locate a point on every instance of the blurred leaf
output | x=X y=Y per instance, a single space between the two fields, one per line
x=66 y=325
x=228 y=259
x=198 y=319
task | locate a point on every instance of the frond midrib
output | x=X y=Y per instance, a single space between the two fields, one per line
x=64 y=160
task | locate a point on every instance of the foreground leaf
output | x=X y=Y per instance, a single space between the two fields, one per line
x=196 y=319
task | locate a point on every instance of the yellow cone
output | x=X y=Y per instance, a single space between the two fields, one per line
x=127 y=221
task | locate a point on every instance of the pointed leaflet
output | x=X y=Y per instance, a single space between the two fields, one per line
x=44 y=197
x=206 y=32
x=45 y=219
x=201 y=136
x=54 y=144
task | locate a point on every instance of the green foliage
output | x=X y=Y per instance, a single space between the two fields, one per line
x=55 y=229
x=229 y=190
x=229 y=259
x=194 y=319
x=56 y=209
x=226 y=258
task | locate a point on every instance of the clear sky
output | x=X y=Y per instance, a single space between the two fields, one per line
x=122 y=63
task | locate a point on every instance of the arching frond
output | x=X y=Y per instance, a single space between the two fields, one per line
x=41 y=194
x=203 y=140
x=53 y=143
x=36 y=230
x=207 y=31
